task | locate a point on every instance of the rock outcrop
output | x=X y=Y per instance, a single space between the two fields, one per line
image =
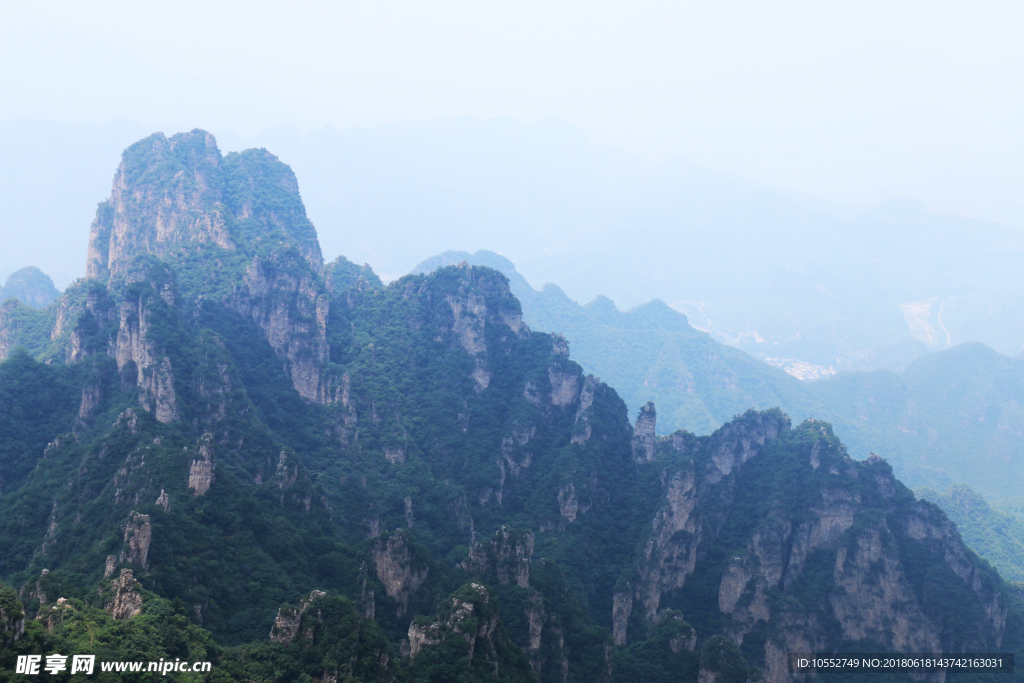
x=176 y=198
x=176 y=191
x=644 y=434
x=127 y=601
x=287 y=303
x=506 y=556
x=482 y=299
x=138 y=534
x=393 y=563
x=88 y=329
x=565 y=386
x=289 y=618
x=166 y=192
x=858 y=528
x=201 y=470
x=135 y=352
x=466 y=615
x=581 y=427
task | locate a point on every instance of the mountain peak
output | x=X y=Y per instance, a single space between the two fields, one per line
x=172 y=194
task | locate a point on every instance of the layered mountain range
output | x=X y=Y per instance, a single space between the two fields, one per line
x=950 y=417
x=216 y=446
x=652 y=353
x=787 y=277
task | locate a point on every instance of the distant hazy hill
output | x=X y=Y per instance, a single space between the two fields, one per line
x=995 y=535
x=51 y=176
x=816 y=282
x=651 y=353
x=30 y=286
x=950 y=417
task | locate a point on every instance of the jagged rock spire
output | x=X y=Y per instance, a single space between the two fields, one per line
x=176 y=192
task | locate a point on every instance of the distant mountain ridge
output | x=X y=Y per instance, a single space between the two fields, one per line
x=950 y=417
x=819 y=283
x=651 y=353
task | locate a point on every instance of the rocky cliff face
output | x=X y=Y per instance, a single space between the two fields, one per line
x=582 y=428
x=507 y=556
x=176 y=192
x=138 y=534
x=679 y=527
x=289 y=619
x=505 y=560
x=643 y=434
x=853 y=528
x=393 y=562
x=127 y=599
x=90 y=328
x=336 y=644
x=165 y=193
x=466 y=636
x=238 y=220
x=480 y=301
x=201 y=470
x=175 y=199
x=291 y=310
x=136 y=353
x=462 y=618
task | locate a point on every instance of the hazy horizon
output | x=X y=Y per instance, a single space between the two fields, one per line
x=848 y=103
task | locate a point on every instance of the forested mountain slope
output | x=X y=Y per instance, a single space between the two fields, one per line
x=218 y=447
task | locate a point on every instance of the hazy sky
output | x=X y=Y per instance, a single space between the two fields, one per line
x=854 y=101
